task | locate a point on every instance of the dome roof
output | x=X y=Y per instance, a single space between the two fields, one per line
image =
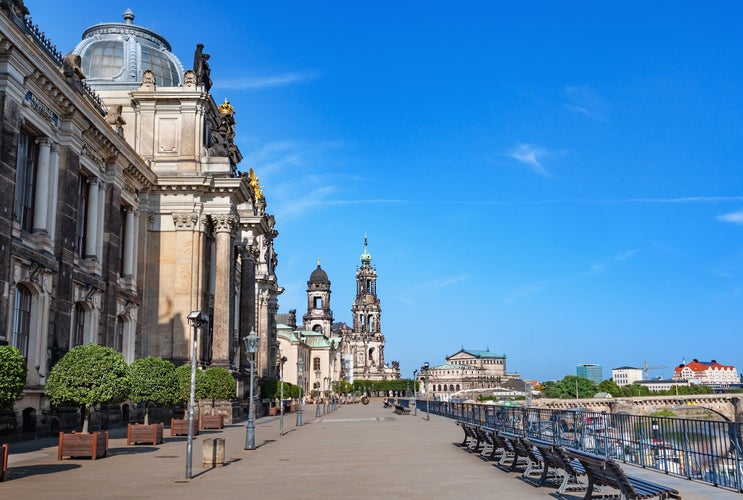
x=318 y=275
x=114 y=56
x=366 y=256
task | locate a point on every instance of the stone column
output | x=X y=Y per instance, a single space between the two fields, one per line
x=42 y=194
x=101 y=219
x=51 y=221
x=91 y=223
x=128 y=242
x=224 y=225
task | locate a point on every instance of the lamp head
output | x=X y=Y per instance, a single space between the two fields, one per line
x=251 y=342
x=197 y=318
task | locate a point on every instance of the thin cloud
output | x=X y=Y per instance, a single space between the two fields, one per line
x=524 y=292
x=596 y=268
x=626 y=255
x=732 y=217
x=585 y=101
x=269 y=81
x=530 y=156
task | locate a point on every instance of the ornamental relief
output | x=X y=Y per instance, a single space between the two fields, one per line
x=224 y=223
x=184 y=221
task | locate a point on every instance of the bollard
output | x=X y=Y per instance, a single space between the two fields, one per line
x=212 y=452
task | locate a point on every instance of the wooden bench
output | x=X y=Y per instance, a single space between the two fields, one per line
x=603 y=471
x=211 y=422
x=401 y=410
x=4 y=451
x=492 y=449
x=144 y=434
x=569 y=471
x=519 y=455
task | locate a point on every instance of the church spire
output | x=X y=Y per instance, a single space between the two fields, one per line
x=366 y=256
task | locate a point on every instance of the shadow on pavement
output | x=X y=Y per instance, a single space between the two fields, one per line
x=20 y=471
x=131 y=450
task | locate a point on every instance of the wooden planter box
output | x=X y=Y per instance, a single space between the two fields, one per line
x=93 y=445
x=150 y=434
x=211 y=422
x=179 y=427
x=4 y=450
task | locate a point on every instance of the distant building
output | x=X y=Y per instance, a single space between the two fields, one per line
x=662 y=385
x=707 y=373
x=594 y=373
x=469 y=373
x=626 y=375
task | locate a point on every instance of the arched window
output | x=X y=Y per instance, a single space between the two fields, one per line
x=119 y=334
x=21 y=320
x=78 y=328
x=457 y=386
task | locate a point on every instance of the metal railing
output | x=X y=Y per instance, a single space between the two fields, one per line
x=703 y=450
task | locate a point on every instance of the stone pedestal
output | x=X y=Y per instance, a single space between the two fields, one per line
x=212 y=452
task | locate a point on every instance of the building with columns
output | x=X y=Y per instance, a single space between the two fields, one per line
x=123 y=205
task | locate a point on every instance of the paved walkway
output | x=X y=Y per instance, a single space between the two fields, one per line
x=355 y=452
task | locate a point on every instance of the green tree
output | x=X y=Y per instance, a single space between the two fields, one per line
x=12 y=375
x=634 y=390
x=153 y=382
x=570 y=387
x=86 y=376
x=611 y=387
x=219 y=384
x=183 y=374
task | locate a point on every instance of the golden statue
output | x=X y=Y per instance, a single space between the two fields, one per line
x=255 y=183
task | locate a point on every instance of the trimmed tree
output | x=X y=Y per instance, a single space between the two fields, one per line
x=12 y=375
x=219 y=384
x=86 y=376
x=183 y=375
x=153 y=382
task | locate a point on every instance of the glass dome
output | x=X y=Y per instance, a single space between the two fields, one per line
x=114 y=56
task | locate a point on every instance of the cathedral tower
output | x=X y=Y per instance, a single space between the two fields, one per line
x=319 y=316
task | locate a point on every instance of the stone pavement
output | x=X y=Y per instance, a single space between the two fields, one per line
x=354 y=452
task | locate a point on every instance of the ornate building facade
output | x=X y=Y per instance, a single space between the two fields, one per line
x=332 y=351
x=469 y=373
x=123 y=207
x=362 y=346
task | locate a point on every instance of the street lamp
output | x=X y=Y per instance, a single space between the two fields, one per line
x=281 y=397
x=328 y=409
x=251 y=347
x=426 y=366
x=196 y=319
x=317 y=403
x=415 y=393
x=300 y=369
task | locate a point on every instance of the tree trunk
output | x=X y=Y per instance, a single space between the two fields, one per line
x=86 y=418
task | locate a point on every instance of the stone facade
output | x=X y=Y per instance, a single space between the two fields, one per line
x=467 y=374
x=123 y=206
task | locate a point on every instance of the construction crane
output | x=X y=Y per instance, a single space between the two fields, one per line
x=647 y=368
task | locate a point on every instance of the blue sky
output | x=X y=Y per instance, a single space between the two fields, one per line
x=556 y=181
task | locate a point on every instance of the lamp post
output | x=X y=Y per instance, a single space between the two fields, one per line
x=281 y=397
x=317 y=403
x=251 y=346
x=300 y=369
x=328 y=408
x=426 y=366
x=197 y=319
x=415 y=393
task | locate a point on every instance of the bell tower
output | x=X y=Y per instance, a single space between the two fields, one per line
x=319 y=316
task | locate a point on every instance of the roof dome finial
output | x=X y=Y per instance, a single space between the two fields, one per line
x=128 y=16
x=366 y=256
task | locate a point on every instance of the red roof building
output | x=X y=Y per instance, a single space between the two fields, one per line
x=707 y=372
